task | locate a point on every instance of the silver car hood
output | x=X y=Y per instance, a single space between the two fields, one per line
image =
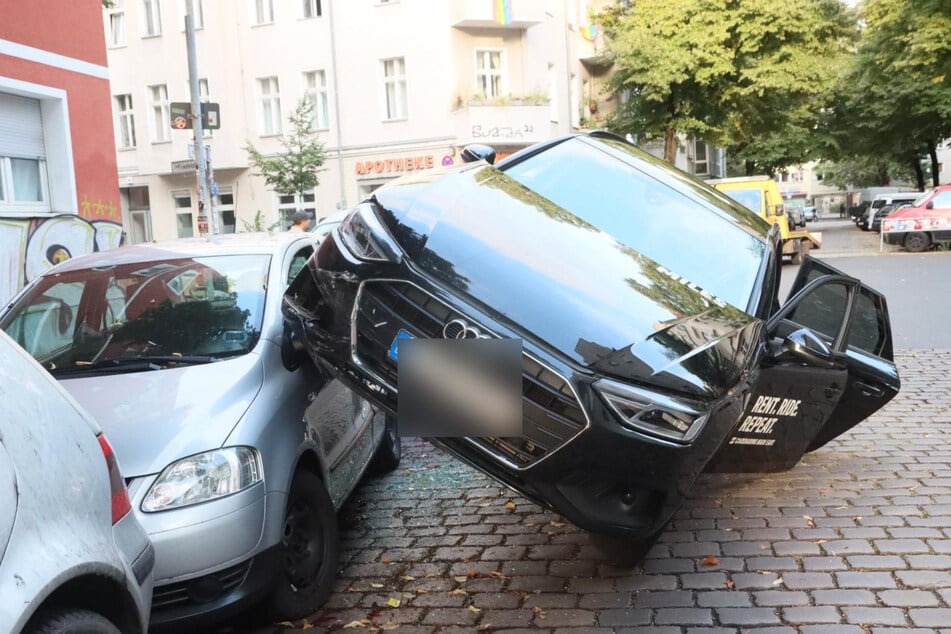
x=154 y=418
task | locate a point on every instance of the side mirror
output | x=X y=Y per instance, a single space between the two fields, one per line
x=803 y=345
x=930 y=205
x=478 y=152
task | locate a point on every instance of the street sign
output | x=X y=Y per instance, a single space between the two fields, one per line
x=184 y=167
x=181 y=115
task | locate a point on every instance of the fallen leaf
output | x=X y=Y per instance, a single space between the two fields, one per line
x=558 y=524
x=306 y=625
x=537 y=611
x=777 y=581
x=472 y=573
x=352 y=589
x=807 y=517
x=485 y=627
x=710 y=560
x=408 y=472
x=497 y=575
x=461 y=579
x=473 y=608
x=510 y=505
x=458 y=592
x=387 y=560
x=811 y=524
x=818 y=541
x=729 y=584
x=287 y=624
x=389 y=625
x=376 y=585
x=353 y=624
x=393 y=602
x=857 y=518
x=422 y=591
x=408 y=578
x=718 y=503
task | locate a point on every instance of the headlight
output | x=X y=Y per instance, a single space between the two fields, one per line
x=655 y=414
x=365 y=236
x=203 y=477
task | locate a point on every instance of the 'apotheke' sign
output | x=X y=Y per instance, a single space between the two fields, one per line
x=403 y=164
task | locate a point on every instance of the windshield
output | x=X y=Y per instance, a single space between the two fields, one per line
x=921 y=200
x=185 y=310
x=649 y=216
x=752 y=199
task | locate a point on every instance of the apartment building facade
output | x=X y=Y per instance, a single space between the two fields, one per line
x=399 y=87
x=58 y=195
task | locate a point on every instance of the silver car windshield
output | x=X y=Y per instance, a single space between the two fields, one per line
x=164 y=313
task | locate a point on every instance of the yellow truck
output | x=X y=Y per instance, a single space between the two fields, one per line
x=761 y=194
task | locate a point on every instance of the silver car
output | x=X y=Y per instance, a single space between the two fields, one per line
x=73 y=558
x=239 y=451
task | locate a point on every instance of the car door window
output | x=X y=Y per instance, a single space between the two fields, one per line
x=867 y=329
x=298 y=260
x=942 y=200
x=822 y=310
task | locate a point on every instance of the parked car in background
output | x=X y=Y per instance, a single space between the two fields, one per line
x=810 y=214
x=884 y=212
x=923 y=224
x=645 y=303
x=796 y=216
x=238 y=451
x=866 y=219
x=73 y=558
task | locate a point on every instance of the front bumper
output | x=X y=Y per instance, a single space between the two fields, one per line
x=574 y=456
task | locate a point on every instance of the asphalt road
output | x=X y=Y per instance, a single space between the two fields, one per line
x=916 y=286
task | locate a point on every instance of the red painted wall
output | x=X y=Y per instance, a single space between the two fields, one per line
x=68 y=27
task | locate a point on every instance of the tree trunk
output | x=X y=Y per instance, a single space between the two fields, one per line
x=749 y=167
x=933 y=152
x=670 y=145
x=883 y=178
x=919 y=175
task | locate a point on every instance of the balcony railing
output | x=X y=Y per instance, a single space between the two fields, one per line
x=484 y=14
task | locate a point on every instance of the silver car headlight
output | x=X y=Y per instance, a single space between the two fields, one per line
x=365 y=236
x=668 y=417
x=203 y=477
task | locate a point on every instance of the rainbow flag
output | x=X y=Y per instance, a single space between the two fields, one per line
x=503 y=11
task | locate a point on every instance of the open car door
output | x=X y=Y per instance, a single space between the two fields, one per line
x=828 y=366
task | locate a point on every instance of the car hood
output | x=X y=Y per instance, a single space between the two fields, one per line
x=154 y=418
x=536 y=267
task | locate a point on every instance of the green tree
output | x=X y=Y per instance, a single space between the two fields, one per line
x=293 y=171
x=864 y=171
x=729 y=72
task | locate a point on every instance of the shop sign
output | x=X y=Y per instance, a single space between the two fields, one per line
x=402 y=164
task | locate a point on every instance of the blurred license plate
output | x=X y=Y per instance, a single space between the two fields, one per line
x=395 y=348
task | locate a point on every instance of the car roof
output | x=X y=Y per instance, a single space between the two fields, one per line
x=227 y=244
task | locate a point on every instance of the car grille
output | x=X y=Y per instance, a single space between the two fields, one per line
x=551 y=412
x=202 y=589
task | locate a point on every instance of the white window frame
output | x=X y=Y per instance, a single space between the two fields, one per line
x=116 y=37
x=316 y=93
x=198 y=7
x=313 y=7
x=60 y=178
x=125 y=120
x=221 y=208
x=269 y=92
x=160 y=121
x=298 y=202
x=7 y=199
x=151 y=9
x=484 y=75
x=400 y=93
x=181 y=211
x=262 y=12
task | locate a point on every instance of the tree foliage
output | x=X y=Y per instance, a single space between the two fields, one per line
x=752 y=75
x=895 y=101
x=293 y=171
x=864 y=171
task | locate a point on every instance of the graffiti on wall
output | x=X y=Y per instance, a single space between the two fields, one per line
x=31 y=246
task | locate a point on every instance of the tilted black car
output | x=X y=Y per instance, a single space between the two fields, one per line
x=654 y=345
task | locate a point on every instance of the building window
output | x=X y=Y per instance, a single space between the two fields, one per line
x=394 y=84
x=310 y=9
x=701 y=165
x=262 y=11
x=226 y=213
x=315 y=92
x=126 y=122
x=116 y=26
x=152 y=14
x=287 y=204
x=161 y=118
x=23 y=183
x=198 y=11
x=271 y=119
x=184 y=217
x=23 y=174
x=489 y=77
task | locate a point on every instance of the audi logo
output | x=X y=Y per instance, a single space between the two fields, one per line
x=459 y=329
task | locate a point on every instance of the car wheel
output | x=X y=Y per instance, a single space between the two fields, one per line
x=917 y=242
x=308 y=550
x=390 y=451
x=64 y=621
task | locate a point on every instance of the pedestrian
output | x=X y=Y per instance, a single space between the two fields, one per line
x=301 y=220
x=842 y=210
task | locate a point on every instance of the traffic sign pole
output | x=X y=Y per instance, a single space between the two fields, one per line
x=204 y=226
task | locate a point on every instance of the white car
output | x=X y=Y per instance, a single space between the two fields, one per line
x=73 y=558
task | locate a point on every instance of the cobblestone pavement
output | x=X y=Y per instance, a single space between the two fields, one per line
x=856 y=538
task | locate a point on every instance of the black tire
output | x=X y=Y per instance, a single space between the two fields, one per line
x=70 y=621
x=388 y=454
x=917 y=242
x=308 y=550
